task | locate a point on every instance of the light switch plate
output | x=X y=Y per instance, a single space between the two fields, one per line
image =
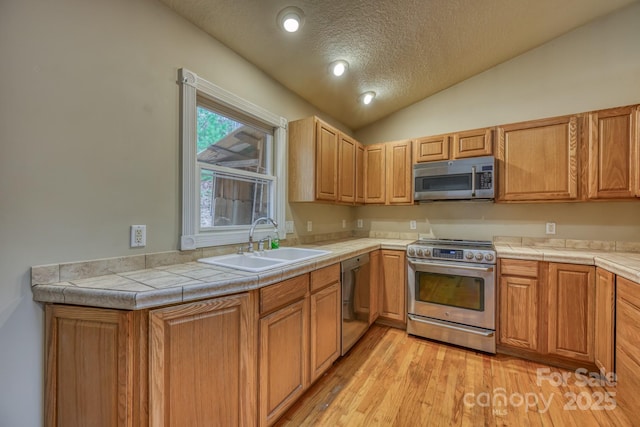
x=359 y=223
x=413 y=225
x=309 y=226
x=289 y=226
x=551 y=228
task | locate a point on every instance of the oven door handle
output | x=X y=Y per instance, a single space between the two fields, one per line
x=463 y=267
x=457 y=328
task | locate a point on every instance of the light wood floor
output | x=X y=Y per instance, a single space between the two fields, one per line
x=392 y=379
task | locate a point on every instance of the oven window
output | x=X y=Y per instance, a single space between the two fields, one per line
x=454 y=291
x=444 y=183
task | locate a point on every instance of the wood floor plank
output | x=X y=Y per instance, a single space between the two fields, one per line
x=392 y=379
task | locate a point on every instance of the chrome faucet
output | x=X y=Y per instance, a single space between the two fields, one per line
x=253 y=227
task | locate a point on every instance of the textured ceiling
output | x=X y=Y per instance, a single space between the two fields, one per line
x=404 y=50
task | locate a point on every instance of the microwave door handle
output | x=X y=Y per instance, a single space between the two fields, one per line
x=473 y=181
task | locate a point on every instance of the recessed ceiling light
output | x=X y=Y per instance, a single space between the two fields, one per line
x=367 y=97
x=290 y=19
x=338 y=67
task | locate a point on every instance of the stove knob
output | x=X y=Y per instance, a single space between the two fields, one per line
x=427 y=252
x=488 y=257
x=468 y=255
x=411 y=251
x=479 y=256
x=420 y=252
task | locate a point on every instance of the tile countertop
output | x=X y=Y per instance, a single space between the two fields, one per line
x=135 y=289
x=622 y=263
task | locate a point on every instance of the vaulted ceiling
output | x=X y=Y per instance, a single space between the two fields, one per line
x=404 y=50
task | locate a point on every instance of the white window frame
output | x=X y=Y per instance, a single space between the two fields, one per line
x=192 y=237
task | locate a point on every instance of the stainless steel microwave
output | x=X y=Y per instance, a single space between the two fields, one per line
x=464 y=179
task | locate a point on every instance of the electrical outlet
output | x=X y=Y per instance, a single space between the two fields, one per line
x=344 y=223
x=309 y=226
x=289 y=226
x=138 y=236
x=413 y=225
x=359 y=222
x=551 y=228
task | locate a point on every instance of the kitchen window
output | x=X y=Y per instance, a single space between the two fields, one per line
x=232 y=165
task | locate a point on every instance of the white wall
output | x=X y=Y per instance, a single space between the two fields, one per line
x=89 y=145
x=593 y=67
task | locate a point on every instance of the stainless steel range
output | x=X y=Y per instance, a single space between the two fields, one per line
x=452 y=292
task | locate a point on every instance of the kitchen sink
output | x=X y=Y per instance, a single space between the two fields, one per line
x=264 y=260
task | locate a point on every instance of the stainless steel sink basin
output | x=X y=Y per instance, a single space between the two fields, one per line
x=264 y=260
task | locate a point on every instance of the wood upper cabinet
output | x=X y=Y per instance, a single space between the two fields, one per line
x=284 y=346
x=431 y=148
x=518 y=302
x=612 y=153
x=375 y=174
x=472 y=143
x=393 y=286
x=604 y=320
x=571 y=311
x=327 y=162
x=538 y=160
x=347 y=155
x=203 y=363
x=360 y=176
x=326 y=318
x=459 y=145
x=90 y=366
x=627 y=343
x=399 y=173
x=388 y=171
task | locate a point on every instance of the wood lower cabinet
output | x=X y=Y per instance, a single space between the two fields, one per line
x=90 y=367
x=627 y=344
x=553 y=144
x=571 y=311
x=547 y=311
x=518 y=304
x=202 y=363
x=612 y=153
x=325 y=319
x=604 y=321
x=393 y=286
x=284 y=346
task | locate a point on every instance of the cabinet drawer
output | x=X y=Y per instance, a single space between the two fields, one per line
x=324 y=277
x=518 y=267
x=283 y=293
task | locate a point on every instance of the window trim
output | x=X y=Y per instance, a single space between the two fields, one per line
x=191 y=85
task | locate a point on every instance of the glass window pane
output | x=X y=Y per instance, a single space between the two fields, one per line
x=232 y=201
x=225 y=142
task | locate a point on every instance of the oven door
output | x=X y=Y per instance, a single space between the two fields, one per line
x=452 y=292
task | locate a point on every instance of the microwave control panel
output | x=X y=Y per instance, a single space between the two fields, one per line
x=484 y=180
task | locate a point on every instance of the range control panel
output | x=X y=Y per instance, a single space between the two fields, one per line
x=469 y=255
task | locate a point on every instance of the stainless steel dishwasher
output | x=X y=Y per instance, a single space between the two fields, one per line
x=356 y=290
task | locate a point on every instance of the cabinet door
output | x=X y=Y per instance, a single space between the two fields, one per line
x=374 y=169
x=283 y=359
x=431 y=148
x=202 y=363
x=89 y=370
x=325 y=329
x=571 y=311
x=472 y=143
x=604 y=320
x=538 y=160
x=360 y=173
x=347 y=149
x=519 y=312
x=612 y=153
x=374 y=297
x=326 y=162
x=393 y=286
x=399 y=173
x=627 y=343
